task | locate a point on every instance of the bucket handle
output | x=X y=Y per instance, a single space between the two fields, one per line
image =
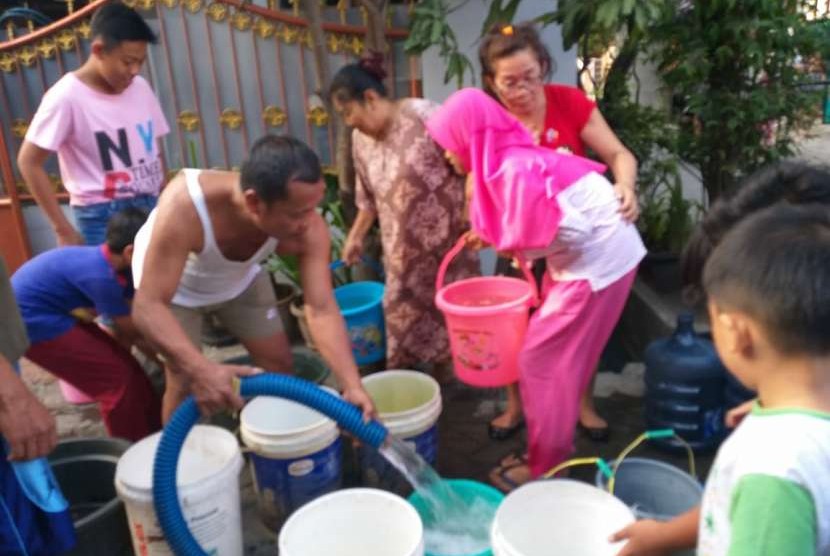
x=459 y=246
x=599 y=462
x=651 y=435
x=610 y=472
x=368 y=261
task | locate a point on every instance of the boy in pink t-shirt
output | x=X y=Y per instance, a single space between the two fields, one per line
x=104 y=122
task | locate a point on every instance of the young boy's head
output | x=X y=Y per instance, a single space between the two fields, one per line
x=768 y=284
x=119 y=44
x=121 y=231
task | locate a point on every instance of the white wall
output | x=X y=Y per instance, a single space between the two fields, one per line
x=466 y=22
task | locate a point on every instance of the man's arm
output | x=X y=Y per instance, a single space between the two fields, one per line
x=128 y=335
x=30 y=161
x=26 y=425
x=177 y=232
x=328 y=329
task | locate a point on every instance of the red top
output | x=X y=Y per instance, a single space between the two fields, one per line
x=568 y=110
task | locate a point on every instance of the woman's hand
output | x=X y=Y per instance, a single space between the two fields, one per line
x=352 y=250
x=473 y=241
x=358 y=396
x=629 y=205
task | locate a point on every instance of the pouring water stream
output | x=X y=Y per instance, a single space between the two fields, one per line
x=452 y=526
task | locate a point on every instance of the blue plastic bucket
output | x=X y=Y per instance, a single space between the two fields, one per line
x=361 y=304
x=468 y=492
x=295 y=455
x=409 y=405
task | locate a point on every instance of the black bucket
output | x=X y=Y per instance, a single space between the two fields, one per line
x=85 y=471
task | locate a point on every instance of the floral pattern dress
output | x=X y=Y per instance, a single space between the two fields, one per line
x=419 y=201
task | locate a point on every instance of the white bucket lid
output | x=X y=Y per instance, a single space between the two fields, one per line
x=278 y=426
x=408 y=402
x=561 y=516
x=208 y=451
x=352 y=522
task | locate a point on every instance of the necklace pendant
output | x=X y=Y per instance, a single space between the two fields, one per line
x=551 y=135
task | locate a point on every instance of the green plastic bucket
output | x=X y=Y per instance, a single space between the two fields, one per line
x=467 y=491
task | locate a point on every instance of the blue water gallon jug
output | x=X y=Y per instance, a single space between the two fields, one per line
x=685 y=382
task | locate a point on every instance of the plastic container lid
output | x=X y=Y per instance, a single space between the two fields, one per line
x=270 y=415
x=207 y=451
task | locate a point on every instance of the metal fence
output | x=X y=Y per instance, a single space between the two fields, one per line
x=225 y=71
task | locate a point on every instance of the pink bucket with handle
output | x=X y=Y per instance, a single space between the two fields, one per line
x=486 y=320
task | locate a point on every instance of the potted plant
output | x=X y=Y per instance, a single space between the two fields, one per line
x=665 y=223
x=285 y=272
x=666 y=216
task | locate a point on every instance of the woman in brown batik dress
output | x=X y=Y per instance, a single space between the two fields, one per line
x=403 y=180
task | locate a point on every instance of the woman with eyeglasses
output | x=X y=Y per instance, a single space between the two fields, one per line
x=515 y=66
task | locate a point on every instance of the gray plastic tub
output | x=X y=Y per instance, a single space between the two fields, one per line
x=653 y=489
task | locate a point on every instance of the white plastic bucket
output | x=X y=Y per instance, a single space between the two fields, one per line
x=208 y=486
x=354 y=522
x=295 y=455
x=408 y=404
x=558 y=517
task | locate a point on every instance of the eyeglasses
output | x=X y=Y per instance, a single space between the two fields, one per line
x=510 y=84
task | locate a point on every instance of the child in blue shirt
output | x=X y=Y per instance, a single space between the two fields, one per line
x=58 y=292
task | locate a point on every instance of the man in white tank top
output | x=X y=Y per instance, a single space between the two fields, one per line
x=199 y=254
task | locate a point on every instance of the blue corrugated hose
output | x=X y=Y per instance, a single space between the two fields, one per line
x=302 y=391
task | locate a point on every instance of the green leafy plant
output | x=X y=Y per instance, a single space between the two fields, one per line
x=594 y=26
x=667 y=217
x=428 y=27
x=740 y=95
x=284 y=266
x=287 y=266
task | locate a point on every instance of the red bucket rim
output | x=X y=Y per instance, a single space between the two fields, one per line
x=448 y=307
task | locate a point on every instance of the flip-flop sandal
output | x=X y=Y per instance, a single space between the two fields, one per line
x=597 y=434
x=503 y=433
x=499 y=475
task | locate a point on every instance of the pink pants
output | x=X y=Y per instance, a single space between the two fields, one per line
x=565 y=338
x=96 y=364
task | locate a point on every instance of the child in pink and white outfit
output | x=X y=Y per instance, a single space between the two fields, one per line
x=539 y=203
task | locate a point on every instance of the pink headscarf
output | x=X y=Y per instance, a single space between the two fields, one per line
x=515 y=181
